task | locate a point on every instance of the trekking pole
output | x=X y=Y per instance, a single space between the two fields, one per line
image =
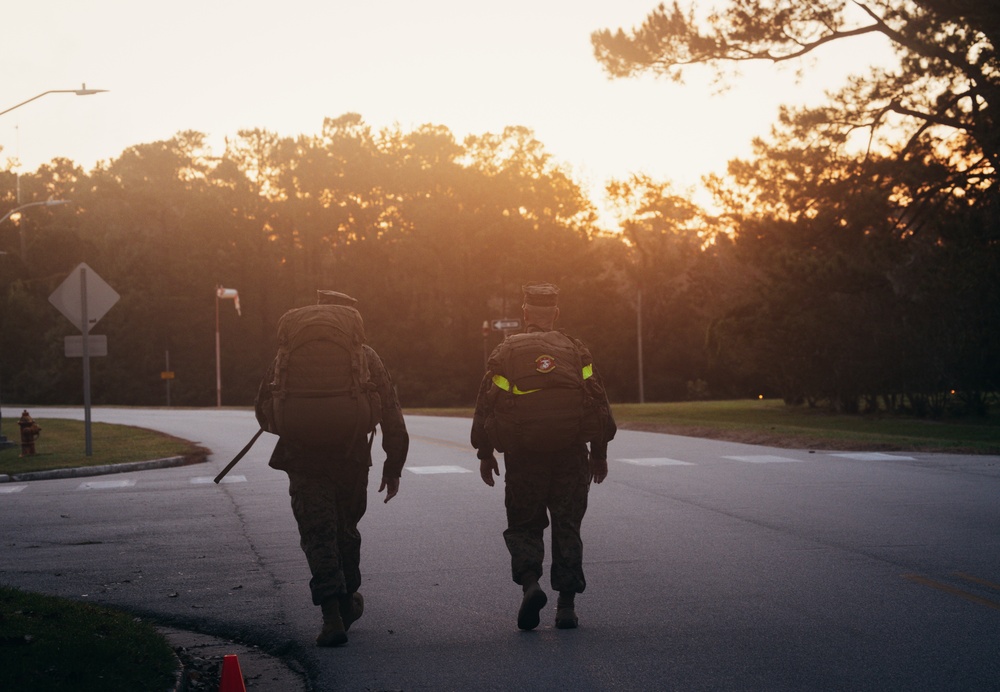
x=236 y=459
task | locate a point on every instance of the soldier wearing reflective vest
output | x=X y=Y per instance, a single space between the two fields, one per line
x=542 y=404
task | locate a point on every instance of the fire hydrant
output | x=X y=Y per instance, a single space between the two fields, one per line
x=29 y=433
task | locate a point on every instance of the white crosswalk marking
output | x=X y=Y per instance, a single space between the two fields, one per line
x=656 y=461
x=225 y=479
x=436 y=469
x=10 y=488
x=105 y=485
x=765 y=459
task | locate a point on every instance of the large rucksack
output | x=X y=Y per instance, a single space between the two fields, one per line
x=320 y=392
x=542 y=401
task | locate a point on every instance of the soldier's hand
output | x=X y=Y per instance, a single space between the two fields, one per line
x=488 y=468
x=598 y=469
x=391 y=487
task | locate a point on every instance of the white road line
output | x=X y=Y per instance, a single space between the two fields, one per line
x=225 y=479
x=765 y=459
x=436 y=469
x=105 y=485
x=656 y=461
x=872 y=456
x=5 y=488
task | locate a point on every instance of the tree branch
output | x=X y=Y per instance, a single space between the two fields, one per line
x=896 y=107
x=805 y=47
x=970 y=70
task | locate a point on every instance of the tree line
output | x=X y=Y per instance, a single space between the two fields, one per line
x=824 y=274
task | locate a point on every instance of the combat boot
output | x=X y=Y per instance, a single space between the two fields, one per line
x=565 y=612
x=334 y=633
x=351 y=609
x=531 y=605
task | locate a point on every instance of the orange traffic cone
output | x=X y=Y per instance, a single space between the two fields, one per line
x=232 y=677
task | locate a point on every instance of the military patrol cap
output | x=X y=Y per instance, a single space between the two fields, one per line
x=541 y=295
x=334 y=298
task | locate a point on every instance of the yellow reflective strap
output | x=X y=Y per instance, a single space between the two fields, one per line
x=588 y=371
x=504 y=384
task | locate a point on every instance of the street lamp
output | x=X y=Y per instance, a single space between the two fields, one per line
x=46 y=203
x=15 y=210
x=82 y=91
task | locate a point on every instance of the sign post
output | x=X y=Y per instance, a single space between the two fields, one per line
x=84 y=299
x=4 y=442
x=86 y=360
x=166 y=376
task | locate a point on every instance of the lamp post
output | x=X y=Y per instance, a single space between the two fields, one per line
x=15 y=210
x=82 y=91
x=234 y=295
x=640 y=260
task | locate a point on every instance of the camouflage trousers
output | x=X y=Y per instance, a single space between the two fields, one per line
x=538 y=486
x=328 y=502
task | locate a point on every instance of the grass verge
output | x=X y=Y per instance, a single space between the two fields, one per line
x=772 y=423
x=51 y=644
x=62 y=444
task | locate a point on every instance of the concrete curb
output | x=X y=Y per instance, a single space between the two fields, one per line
x=201 y=658
x=82 y=471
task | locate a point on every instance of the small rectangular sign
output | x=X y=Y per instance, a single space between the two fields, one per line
x=167 y=375
x=506 y=323
x=97 y=346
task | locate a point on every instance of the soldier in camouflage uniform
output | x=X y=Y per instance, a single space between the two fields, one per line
x=329 y=496
x=537 y=483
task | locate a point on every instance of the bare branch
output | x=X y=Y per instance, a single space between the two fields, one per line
x=896 y=107
x=809 y=47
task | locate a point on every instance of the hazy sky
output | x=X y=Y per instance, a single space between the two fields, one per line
x=218 y=66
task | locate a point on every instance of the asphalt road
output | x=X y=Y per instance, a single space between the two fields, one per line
x=710 y=565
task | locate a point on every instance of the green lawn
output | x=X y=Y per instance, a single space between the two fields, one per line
x=63 y=444
x=772 y=423
x=52 y=644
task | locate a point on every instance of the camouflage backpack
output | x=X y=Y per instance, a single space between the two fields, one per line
x=542 y=401
x=320 y=392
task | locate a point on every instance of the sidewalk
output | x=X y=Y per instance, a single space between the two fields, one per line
x=200 y=654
